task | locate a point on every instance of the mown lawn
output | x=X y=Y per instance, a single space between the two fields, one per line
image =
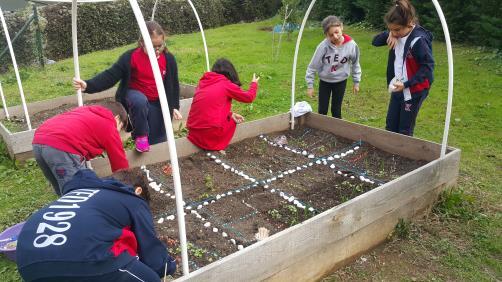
x=471 y=213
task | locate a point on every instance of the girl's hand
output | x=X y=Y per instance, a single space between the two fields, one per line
x=391 y=41
x=79 y=84
x=177 y=115
x=310 y=92
x=237 y=118
x=255 y=79
x=398 y=86
x=355 y=88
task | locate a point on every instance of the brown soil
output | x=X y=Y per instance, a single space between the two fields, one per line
x=288 y=188
x=18 y=123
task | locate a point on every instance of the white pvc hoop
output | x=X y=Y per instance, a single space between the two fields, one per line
x=295 y=61
x=4 y=103
x=450 y=71
x=200 y=27
x=76 y=66
x=16 y=70
x=169 y=131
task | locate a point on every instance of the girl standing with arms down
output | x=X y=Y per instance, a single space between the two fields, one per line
x=137 y=90
x=409 y=68
x=211 y=123
x=335 y=58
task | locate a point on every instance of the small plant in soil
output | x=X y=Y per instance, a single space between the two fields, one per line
x=208 y=182
x=275 y=214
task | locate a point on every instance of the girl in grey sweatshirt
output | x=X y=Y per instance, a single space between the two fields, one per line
x=335 y=58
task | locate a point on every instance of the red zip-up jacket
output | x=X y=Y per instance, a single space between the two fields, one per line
x=212 y=102
x=84 y=131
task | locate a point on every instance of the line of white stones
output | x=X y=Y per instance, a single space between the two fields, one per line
x=156 y=187
x=323 y=161
x=296 y=151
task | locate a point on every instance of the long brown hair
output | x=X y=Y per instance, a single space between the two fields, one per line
x=226 y=68
x=153 y=28
x=401 y=13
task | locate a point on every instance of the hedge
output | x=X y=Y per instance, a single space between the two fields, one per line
x=108 y=25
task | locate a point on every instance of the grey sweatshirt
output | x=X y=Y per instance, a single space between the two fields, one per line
x=334 y=64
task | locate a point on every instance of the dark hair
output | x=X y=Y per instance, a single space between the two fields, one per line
x=329 y=22
x=226 y=68
x=134 y=177
x=153 y=28
x=401 y=13
x=117 y=110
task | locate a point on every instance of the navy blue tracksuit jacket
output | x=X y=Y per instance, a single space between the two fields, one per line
x=97 y=227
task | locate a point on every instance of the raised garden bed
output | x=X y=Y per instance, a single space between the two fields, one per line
x=18 y=138
x=334 y=191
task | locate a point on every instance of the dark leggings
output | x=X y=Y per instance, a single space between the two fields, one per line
x=146 y=117
x=328 y=89
x=401 y=115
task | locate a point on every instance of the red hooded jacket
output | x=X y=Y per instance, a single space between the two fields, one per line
x=84 y=131
x=210 y=124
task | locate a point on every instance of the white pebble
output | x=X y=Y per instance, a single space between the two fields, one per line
x=291 y=199
x=337 y=156
x=207 y=224
x=229 y=193
x=332 y=166
x=213 y=201
x=311 y=164
x=330 y=158
x=208 y=154
x=218 y=197
x=189 y=208
x=226 y=166
x=351 y=151
x=218 y=161
x=272 y=191
x=352 y=177
x=171 y=217
x=318 y=162
x=356 y=148
x=339 y=172
x=206 y=203
x=233 y=241
x=311 y=156
x=304 y=153
x=213 y=157
x=173 y=196
x=193 y=211
x=224 y=234
x=143 y=167
x=294 y=151
x=240 y=247
x=311 y=209
x=161 y=191
x=280 y=175
x=266 y=186
x=161 y=220
x=238 y=191
x=343 y=155
x=215 y=229
x=199 y=207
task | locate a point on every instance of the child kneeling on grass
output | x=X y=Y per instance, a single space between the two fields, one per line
x=63 y=143
x=100 y=230
x=211 y=122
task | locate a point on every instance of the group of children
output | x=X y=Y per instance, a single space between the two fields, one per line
x=102 y=229
x=409 y=68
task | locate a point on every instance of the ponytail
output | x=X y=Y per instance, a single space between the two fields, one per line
x=401 y=13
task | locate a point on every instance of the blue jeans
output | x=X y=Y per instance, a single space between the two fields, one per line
x=135 y=271
x=401 y=115
x=58 y=166
x=146 y=117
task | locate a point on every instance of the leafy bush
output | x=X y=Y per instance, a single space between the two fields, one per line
x=476 y=22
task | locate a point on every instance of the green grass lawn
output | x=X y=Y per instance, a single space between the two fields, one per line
x=475 y=127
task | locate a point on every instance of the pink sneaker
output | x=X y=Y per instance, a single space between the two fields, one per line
x=142 y=144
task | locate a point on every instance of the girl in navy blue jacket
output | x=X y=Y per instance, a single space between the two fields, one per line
x=100 y=230
x=410 y=66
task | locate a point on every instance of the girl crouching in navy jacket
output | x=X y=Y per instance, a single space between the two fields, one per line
x=99 y=230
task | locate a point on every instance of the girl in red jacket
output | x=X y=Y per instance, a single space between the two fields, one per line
x=211 y=122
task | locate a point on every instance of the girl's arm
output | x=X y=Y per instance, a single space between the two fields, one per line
x=356 y=67
x=109 y=77
x=235 y=92
x=314 y=66
x=423 y=54
x=380 y=39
